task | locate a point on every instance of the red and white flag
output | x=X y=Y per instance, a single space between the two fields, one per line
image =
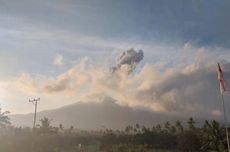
x=221 y=80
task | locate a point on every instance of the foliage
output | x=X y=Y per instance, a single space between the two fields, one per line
x=167 y=137
x=4 y=119
x=45 y=128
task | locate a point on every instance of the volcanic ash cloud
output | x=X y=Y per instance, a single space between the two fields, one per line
x=128 y=60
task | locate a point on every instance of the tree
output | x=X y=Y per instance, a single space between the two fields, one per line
x=137 y=126
x=4 y=119
x=179 y=126
x=189 y=141
x=128 y=129
x=167 y=126
x=61 y=127
x=213 y=136
x=191 y=124
x=45 y=127
x=158 y=128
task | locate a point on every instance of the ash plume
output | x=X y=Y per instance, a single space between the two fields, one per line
x=128 y=60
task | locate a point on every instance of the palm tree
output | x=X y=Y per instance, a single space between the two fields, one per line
x=61 y=127
x=137 y=126
x=158 y=128
x=213 y=136
x=167 y=126
x=4 y=119
x=45 y=127
x=179 y=126
x=191 y=124
x=128 y=129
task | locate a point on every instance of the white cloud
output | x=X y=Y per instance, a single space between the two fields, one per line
x=58 y=60
x=184 y=84
x=188 y=88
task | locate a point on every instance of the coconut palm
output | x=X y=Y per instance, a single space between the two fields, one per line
x=179 y=126
x=46 y=128
x=191 y=124
x=4 y=119
x=213 y=136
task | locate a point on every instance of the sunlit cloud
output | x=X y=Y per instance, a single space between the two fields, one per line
x=58 y=60
x=184 y=87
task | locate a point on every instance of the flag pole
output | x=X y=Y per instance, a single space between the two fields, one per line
x=222 y=90
x=225 y=121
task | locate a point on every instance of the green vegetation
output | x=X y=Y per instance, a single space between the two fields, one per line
x=168 y=137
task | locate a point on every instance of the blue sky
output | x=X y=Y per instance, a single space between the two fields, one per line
x=195 y=20
x=45 y=39
x=30 y=29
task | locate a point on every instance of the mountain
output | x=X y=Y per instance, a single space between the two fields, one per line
x=94 y=116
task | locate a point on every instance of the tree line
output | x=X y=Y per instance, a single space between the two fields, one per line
x=167 y=137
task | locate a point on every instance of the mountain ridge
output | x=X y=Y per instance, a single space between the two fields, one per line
x=93 y=115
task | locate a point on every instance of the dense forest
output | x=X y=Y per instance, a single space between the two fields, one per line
x=167 y=137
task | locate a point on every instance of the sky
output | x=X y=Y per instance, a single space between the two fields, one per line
x=157 y=55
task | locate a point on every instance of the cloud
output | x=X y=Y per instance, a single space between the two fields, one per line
x=128 y=60
x=188 y=88
x=71 y=80
x=191 y=20
x=58 y=60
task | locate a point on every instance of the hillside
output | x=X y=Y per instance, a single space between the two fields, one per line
x=94 y=116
